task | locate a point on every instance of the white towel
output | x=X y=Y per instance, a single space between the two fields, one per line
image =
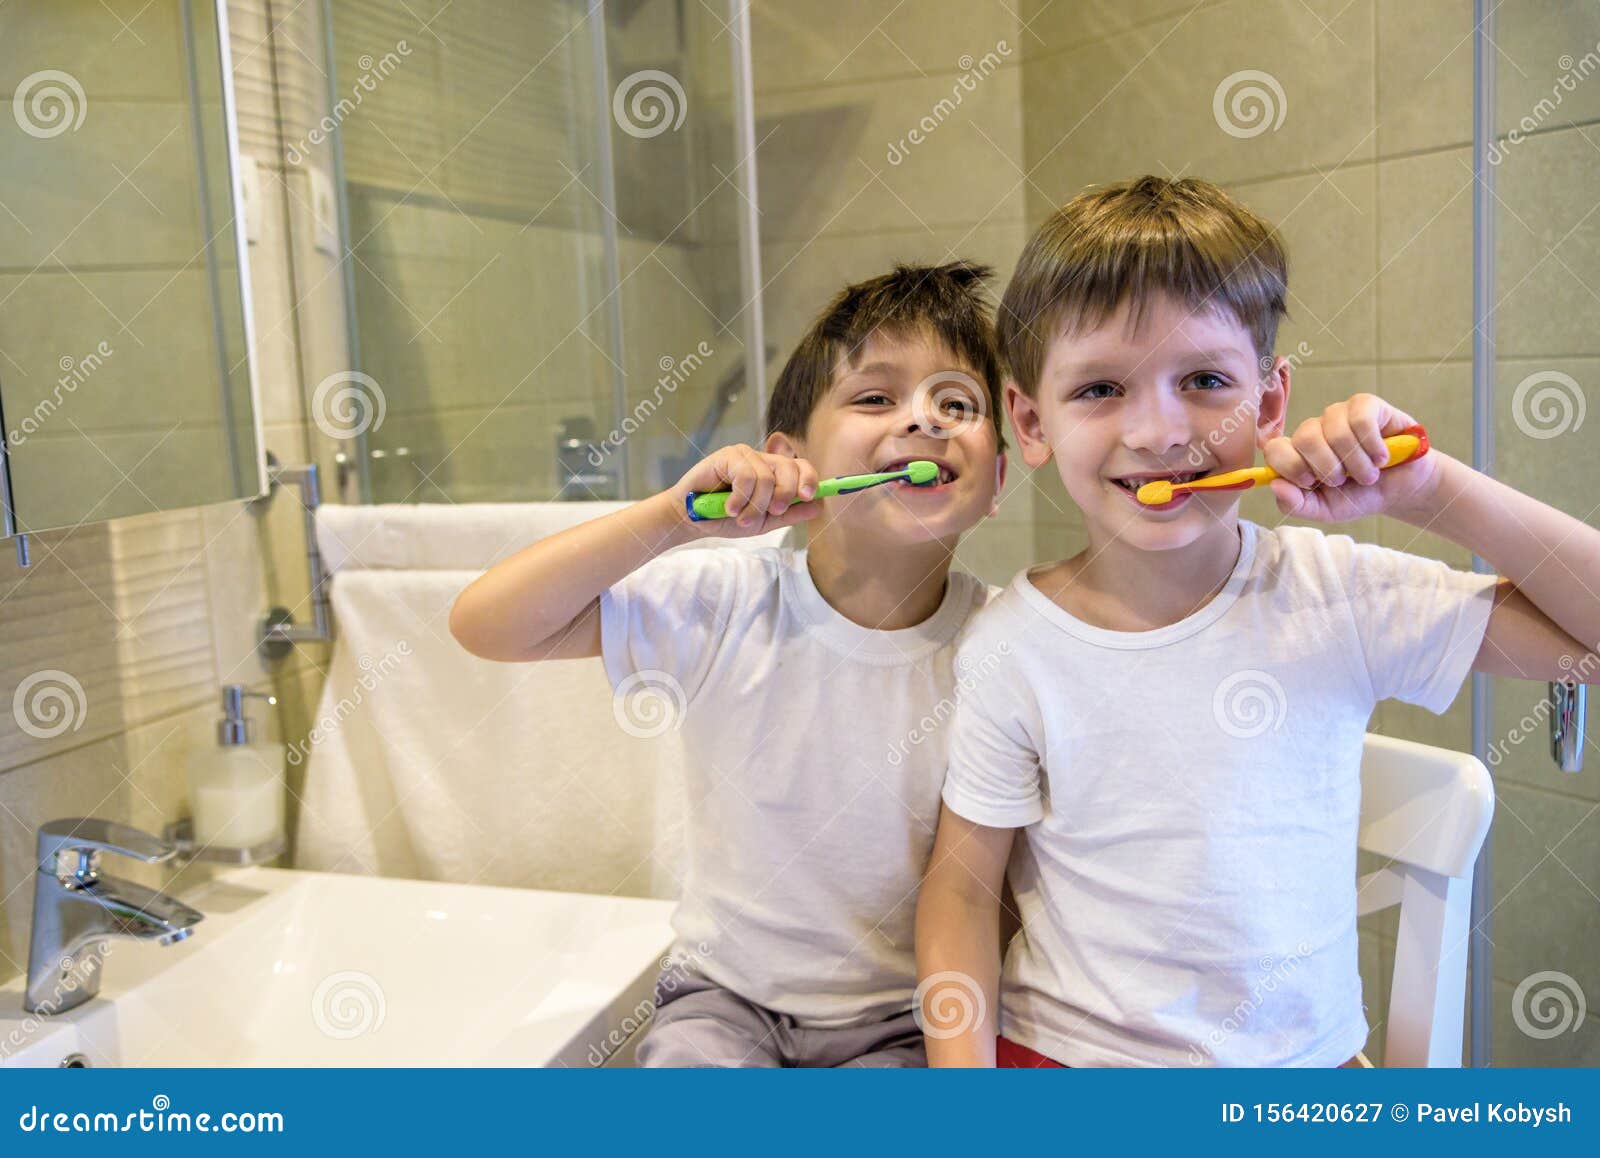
x=440 y=536
x=426 y=762
x=430 y=763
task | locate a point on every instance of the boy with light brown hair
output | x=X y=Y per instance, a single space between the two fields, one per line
x=1177 y=728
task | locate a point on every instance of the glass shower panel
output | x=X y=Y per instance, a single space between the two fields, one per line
x=544 y=211
x=477 y=238
x=679 y=201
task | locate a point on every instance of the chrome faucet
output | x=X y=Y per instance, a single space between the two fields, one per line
x=75 y=909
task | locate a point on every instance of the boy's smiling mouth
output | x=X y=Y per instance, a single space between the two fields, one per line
x=1129 y=485
x=947 y=473
x=1132 y=482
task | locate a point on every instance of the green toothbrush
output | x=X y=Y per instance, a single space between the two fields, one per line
x=714 y=504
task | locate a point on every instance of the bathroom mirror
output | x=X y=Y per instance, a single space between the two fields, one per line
x=125 y=349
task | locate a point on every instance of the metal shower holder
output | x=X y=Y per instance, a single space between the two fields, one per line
x=279 y=631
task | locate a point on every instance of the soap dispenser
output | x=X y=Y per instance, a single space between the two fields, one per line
x=237 y=793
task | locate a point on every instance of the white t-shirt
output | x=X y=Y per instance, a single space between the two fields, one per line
x=1191 y=796
x=814 y=754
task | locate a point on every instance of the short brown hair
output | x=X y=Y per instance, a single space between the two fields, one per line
x=945 y=300
x=1188 y=238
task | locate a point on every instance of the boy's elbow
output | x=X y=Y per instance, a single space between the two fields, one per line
x=464 y=625
x=460 y=622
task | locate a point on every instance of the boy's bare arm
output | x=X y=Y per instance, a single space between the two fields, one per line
x=544 y=601
x=1546 y=619
x=958 y=955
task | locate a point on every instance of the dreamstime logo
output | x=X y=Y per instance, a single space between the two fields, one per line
x=681 y=966
x=1536 y=722
x=1249 y=103
x=74 y=373
x=1248 y=704
x=373 y=672
x=649 y=703
x=49 y=702
x=74 y=973
x=372 y=71
x=949 y=404
x=1245 y=412
x=1548 y=1004
x=972 y=71
x=348 y=404
x=1572 y=72
x=1273 y=973
x=1547 y=404
x=348 y=1004
x=971 y=673
x=49 y=103
x=648 y=103
x=674 y=372
x=948 y=1004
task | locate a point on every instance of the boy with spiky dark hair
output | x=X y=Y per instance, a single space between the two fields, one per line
x=801 y=679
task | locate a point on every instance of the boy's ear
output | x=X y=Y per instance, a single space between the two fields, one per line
x=1274 y=409
x=999 y=481
x=780 y=443
x=1024 y=414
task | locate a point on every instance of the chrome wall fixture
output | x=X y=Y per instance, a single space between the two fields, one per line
x=279 y=631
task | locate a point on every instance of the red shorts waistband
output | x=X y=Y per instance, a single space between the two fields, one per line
x=1011 y=1055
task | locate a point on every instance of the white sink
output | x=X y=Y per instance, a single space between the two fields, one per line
x=295 y=968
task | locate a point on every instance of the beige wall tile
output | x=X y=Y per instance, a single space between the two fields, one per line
x=1547 y=246
x=824 y=163
x=1134 y=103
x=1546 y=876
x=1329 y=224
x=1513 y=1046
x=1051 y=26
x=121 y=188
x=834 y=42
x=1425 y=256
x=115 y=51
x=1547 y=413
x=1425 y=75
x=1548 y=56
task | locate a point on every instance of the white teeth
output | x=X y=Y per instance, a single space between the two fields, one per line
x=1133 y=485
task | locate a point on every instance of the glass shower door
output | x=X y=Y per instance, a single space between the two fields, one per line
x=545 y=207
x=1543 y=893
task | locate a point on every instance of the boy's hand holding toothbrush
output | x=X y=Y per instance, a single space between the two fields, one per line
x=765 y=491
x=1332 y=466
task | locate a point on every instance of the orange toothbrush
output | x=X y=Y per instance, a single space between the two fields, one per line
x=1410 y=443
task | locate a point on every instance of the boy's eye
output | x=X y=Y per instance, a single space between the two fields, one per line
x=872 y=399
x=1098 y=390
x=1209 y=381
x=957 y=406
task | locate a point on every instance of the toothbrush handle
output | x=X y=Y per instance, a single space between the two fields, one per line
x=703 y=505
x=1411 y=443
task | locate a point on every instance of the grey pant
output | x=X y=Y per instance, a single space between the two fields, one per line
x=699 y=1023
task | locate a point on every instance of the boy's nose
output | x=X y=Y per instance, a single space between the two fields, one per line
x=1158 y=425
x=915 y=420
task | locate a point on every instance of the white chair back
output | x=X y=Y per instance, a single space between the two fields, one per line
x=1427 y=810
